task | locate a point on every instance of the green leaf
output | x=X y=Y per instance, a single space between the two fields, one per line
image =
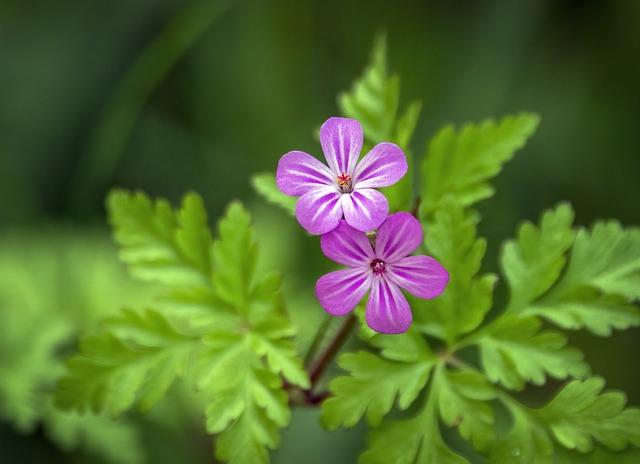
x=135 y=360
x=265 y=185
x=526 y=442
x=374 y=101
x=374 y=382
x=451 y=238
x=158 y=244
x=607 y=258
x=600 y=284
x=587 y=308
x=463 y=403
x=515 y=351
x=533 y=262
x=581 y=413
x=460 y=163
x=248 y=404
x=234 y=255
x=118 y=442
x=415 y=440
x=229 y=338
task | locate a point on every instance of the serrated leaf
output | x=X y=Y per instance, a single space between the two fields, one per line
x=460 y=163
x=451 y=238
x=580 y=413
x=463 y=397
x=607 y=258
x=234 y=255
x=412 y=441
x=374 y=102
x=533 y=262
x=600 y=284
x=97 y=435
x=526 y=442
x=587 y=308
x=159 y=244
x=516 y=351
x=265 y=185
x=373 y=99
x=134 y=362
x=374 y=383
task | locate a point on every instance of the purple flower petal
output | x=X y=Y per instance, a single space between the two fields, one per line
x=299 y=172
x=341 y=141
x=398 y=237
x=364 y=209
x=319 y=211
x=348 y=246
x=422 y=276
x=384 y=165
x=387 y=309
x=340 y=291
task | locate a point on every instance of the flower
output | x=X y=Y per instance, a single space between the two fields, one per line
x=346 y=187
x=383 y=269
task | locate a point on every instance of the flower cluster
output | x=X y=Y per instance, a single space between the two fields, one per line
x=340 y=203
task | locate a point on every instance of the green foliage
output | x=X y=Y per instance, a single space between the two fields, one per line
x=515 y=351
x=158 y=244
x=265 y=185
x=579 y=415
x=600 y=283
x=374 y=100
x=237 y=354
x=76 y=277
x=460 y=163
x=533 y=262
x=374 y=382
x=451 y=238
x=451 y=387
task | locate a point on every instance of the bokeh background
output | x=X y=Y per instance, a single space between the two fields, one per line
x=169 y=96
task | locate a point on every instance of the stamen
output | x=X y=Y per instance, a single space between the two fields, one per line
x=378 y=266
x=344 y=183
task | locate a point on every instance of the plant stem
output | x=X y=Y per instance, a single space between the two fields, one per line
x=321 y=364
x=317 y=339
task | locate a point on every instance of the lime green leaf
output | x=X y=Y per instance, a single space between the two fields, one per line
x=601 y=282
x=463 y=403
x=516 y=351
x=158 y=244
x=118 y=442
x=587 y=308
x=607 y=258
x=451 y=238
x=533 y=262
x=414 y=440
x=134 y=361
x=265 y=185
x=461 y=163
x=234 y=255
x=373 y=100
x=374 y=383
x=526 y=442
x=581 y=413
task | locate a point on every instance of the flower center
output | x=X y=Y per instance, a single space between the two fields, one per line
x=344 y=183
x=378 y=266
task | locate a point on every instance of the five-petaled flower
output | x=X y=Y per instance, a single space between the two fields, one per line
x=346 y=187
x=383 y=269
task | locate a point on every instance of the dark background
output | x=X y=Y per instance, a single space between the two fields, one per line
x=261 y=78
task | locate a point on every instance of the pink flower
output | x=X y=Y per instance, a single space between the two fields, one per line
x=346 y=187
x=382 y=270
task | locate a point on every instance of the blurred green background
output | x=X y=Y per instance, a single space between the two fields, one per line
x=169 y=96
